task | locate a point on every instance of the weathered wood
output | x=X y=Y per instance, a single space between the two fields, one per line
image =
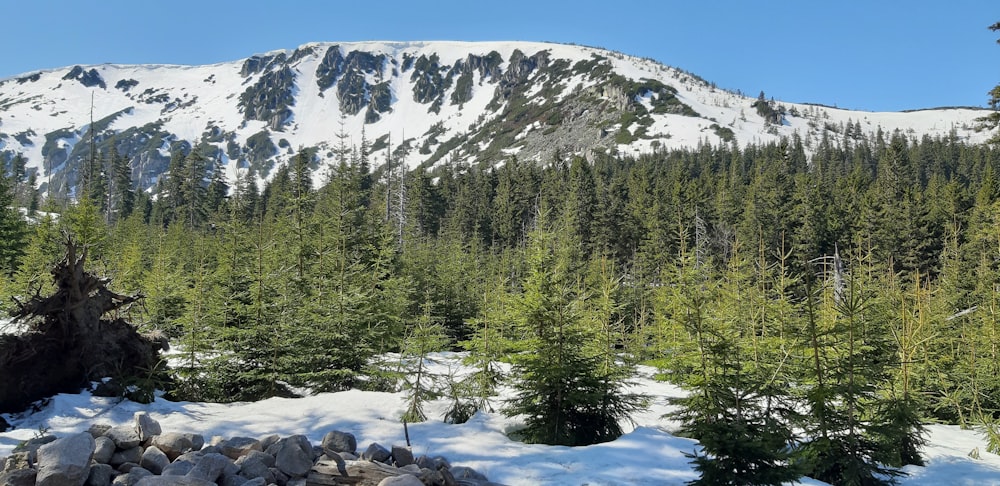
x=68 y=342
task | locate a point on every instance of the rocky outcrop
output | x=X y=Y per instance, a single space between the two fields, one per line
x=140 y=454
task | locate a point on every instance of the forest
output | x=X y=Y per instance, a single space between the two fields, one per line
x=819 y=305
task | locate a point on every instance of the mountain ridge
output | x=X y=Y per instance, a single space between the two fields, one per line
x=422 y=102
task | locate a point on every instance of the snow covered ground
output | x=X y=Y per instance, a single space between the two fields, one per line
x=646 y=455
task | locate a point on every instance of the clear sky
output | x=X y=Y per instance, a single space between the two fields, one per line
x=877 y=55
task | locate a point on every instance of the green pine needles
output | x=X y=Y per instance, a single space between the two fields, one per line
x=569 y=392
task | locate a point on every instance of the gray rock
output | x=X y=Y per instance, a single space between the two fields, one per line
x=375 y=452
x=404 y=480
x=254 y=465
x=431 y=476
x=154 y=459
x=132 y=477
x=104 y=448
x=197 y=441
x=121 y=456
x=232 y=480
x=32 y=445
x=462 y=472
x=293 y=456
x=146 y=426
x=280 y=478
x=212 y=449
x=239 y=446
x=402 y=456
x=446 y=475
x=256 y=482
x=269 y=441
x=173 y=481
x=296 y=482
x=19 y=477
x=125 y=436
x=264 y=457
x=66 y=461
x=349 y=456
x=338 y=441
x=412 y=469
x=210 y=467
x=126 y=467
x=178 y=468
x=98 y=430
x=100 y=475
x=14 y=462
x=183 y=464
x=174 y=444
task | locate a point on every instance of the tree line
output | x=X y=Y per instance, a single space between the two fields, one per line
x=817 y=307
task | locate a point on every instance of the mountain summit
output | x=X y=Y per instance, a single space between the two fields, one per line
x=423 y=103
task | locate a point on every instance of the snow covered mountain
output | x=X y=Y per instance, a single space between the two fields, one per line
x=422 y=102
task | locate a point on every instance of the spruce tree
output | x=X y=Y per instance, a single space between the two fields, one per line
x=561 y=391
x=734 y=410
x=13 y=230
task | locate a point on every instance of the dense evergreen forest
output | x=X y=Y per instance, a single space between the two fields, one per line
x=818 y=306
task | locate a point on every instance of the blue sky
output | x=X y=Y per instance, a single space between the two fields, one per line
x=878 y=55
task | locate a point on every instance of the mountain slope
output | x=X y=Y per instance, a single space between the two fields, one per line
x=427 y=102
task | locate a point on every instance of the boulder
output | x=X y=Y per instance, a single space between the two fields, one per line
x=20 y=477
x=182 y=465
x=239 y=446
x=32 y=445
x=174 y=444
x=154 y=460
x=125 y=436
x=293 y=456
x=100 y=475
x=98 y=430
x=268 y=441
x=462 y=472
x=375 y=452
x=280 y=478
x=232 y=480
x=404 y=480
x=264 y=457
x=340 y=441
x=66 y=461
x=4 y=425
x=210 y=467
x=402 y=456
x=14 y=462
x=255 y=465
x=173 y=481
x=146 y=426
x=121 y=456
x=132 y=477
x=104 y=448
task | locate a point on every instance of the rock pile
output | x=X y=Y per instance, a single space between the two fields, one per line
x=141 y=454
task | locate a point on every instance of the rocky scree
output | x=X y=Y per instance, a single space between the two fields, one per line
x=141 y=454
